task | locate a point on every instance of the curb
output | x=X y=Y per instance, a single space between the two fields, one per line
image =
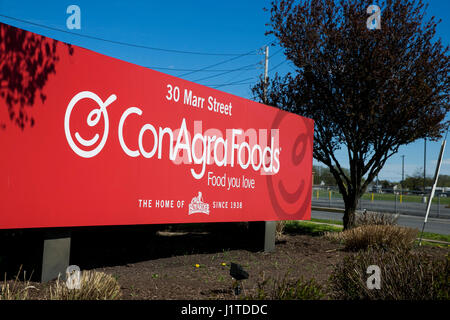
x=435 y=241
x=328 y=209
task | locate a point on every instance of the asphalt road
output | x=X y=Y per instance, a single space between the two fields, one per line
x=441 y=226
x=405 y=208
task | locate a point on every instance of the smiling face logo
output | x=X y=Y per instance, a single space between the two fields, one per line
x=288 y=194
x=92 y=120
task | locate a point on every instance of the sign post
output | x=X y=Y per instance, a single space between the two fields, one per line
x=56 y=254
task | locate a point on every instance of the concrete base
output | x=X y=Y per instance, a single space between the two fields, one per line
x=262 y=235
x=56 y=255
x=269 y=235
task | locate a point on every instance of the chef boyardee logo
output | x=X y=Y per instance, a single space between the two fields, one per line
x=198 y=206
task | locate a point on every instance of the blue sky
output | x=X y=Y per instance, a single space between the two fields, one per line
x=213 y=28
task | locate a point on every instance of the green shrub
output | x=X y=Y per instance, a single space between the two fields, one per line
x=405 y=275
x=287 y=289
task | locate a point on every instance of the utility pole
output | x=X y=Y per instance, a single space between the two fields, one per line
x=424 y=164
x=266 y=74
x=267 y=229
x=403 y=178
x=403 y=171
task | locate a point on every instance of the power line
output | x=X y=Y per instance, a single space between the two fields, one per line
x=242 y=82
x=253 y=52
x=237 y=76
x=222 y=62
x=277 y=52
x=229 y=71
x=282 y=62
x=238 y=69
x=292 y=66
x=190 y=71
x=216 y=64
x=233 y=84
x=210 y=70
x=246 y=69
x=230 y=83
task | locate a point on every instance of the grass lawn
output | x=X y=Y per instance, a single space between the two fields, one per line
x=405 y=198
x=315 y=229
x=339 y=222
x=309 y=228
x=436 y=236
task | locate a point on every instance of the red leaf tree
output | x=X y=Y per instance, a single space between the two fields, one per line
x=369 y=91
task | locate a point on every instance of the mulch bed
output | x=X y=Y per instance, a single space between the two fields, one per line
x=195 y=264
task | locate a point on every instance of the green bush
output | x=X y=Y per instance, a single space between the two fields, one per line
x=405 y=275
x=287 y=289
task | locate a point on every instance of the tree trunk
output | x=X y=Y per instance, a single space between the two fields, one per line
x=351 y=203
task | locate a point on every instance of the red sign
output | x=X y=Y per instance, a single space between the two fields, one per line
x=115 y=143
